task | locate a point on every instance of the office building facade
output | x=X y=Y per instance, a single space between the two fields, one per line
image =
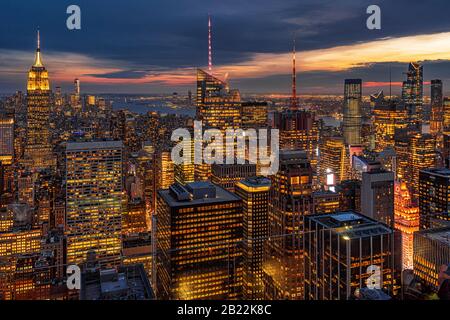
x=94 y=201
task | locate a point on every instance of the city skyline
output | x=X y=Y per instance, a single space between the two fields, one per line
x=159 y=49
x=154 y=196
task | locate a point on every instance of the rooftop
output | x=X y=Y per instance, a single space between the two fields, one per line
x=443 y=172
x=196 y=193
x=350 y=224
x=324 y=193
x=441 y=235
x=126 y=283
x=72 y=146
x=256 y=182
x=345 y=217
x=373 y=294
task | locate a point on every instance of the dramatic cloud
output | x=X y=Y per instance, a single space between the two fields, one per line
x=149 y=45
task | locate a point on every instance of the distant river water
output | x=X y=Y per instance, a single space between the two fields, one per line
x=157 y=106
x=331 y=122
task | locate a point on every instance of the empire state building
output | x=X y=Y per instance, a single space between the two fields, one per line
x=38 y=151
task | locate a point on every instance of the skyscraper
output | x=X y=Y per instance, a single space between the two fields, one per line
x=94 y=201
x=207 y=85
x=38 y=151
x=6 y=139
x=349 y=195
x=75 y=98
x=446 y=150
x=165 y=170
x=333 y=160
x=227 y=175
x=446 y=116
x=406 y=216
x=254 y=115
x=298 y=127
x=298 y=131
x=218 y=107
x=77 y=90
x=7 y=154
x=437 y=107
x=431 y=251
x=185 y=172
x=422 y=155
x=343 y=251
x=59 y=99
x=198 y=240
x=254 y=193
x=412 y=93
x=377 y=195
x=352 y=111
x=20 y=246
x=434 y=196
x=325 y=202
x=388 y=116
x=402 y=149
x=289 y=202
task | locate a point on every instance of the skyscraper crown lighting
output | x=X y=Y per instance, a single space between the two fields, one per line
x=38 y=59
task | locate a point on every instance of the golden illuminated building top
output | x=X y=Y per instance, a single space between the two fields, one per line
x=38 y=75
x=406 y=217
x=38 y=148
x=387 y=118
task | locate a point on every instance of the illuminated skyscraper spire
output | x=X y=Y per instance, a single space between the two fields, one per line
x=294 y=81
x=38 y=149
x=38 y=59
x=209 y=46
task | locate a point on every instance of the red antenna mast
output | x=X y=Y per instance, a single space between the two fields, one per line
x=294 y=81
x=209 y=46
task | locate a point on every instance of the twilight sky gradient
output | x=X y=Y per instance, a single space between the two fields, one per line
x=150 y=46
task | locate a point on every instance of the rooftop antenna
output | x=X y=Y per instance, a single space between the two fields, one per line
x=294 y=80
x=390 y=83
x=38 y=59
x=209 y=45
x=38 y=39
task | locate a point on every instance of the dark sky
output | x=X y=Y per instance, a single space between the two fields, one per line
x=149 y=46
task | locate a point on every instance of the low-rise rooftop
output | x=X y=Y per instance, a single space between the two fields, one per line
x=196 y=193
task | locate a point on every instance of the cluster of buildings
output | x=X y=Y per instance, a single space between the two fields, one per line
x=356 y=212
